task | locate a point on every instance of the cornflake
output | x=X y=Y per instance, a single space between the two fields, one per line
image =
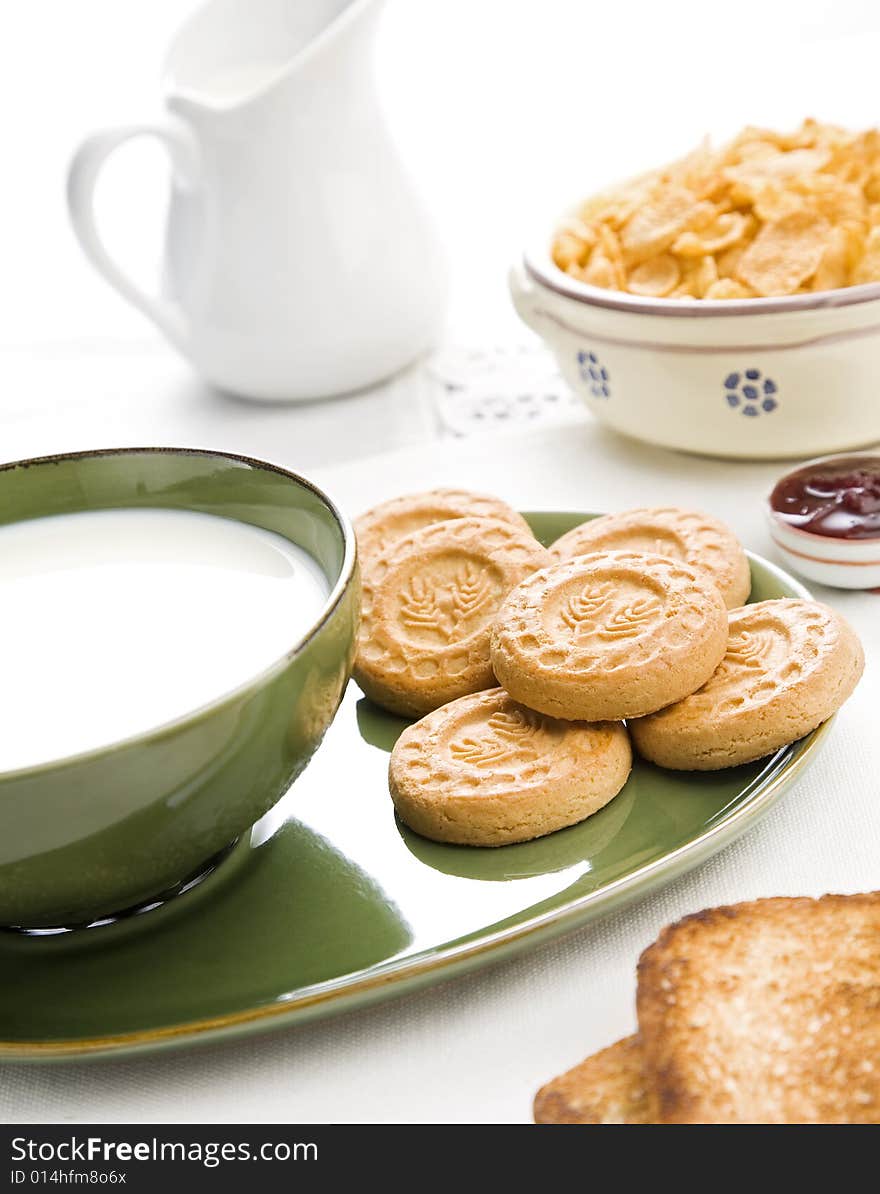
x=768 y=213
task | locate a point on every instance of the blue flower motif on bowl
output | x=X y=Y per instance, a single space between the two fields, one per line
x=750 y=393
x=594 y=373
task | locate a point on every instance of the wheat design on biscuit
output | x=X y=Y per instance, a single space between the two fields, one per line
x=594 y=611
x=512 y=738
x=789 y=666
x=608 y=636
x=749 y=648
x=420 y=607
x=632 y=619
x=428 y=604
x=447 y=603
x=485 y=771
x=759 y=661
x=748 y=665
x=584 y=610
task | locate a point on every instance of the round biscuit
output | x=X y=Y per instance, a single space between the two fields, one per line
x=427 y=608
x=789 y=666
x=378 y=529
x=485 y=771
x=688 y=535
x=607 y=636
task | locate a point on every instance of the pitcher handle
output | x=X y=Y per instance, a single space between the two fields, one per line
x=82 y=177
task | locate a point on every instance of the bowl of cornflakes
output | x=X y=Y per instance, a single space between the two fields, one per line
x=728 y=303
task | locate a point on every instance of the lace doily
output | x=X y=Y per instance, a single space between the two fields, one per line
x=484 y=389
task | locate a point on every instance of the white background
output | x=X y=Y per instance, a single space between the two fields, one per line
x=506 y=111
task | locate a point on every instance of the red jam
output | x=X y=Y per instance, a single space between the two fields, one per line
x=839 y=497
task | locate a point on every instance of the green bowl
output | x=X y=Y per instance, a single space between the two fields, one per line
x=87 y=836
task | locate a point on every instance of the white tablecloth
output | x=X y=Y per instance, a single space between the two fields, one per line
x=79 y=369
x=476 y=1048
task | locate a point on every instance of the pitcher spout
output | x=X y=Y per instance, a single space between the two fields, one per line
x=232 y=52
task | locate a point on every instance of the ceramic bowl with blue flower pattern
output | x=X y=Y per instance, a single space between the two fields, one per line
x=746 y=378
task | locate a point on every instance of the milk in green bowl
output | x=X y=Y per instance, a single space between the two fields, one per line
x=177 y=629
x=142 y=616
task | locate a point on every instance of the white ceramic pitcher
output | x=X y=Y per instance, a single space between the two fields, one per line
x=299 y=262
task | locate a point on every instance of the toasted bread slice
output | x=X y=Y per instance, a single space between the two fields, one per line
x=607 y=1088
x=765 y=1012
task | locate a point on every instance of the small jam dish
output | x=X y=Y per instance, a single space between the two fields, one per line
x=825 y=519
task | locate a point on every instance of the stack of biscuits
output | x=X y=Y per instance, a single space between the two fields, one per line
x=763 y=1012
x=533 y=669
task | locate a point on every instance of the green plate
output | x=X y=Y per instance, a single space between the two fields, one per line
x=331 y=904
